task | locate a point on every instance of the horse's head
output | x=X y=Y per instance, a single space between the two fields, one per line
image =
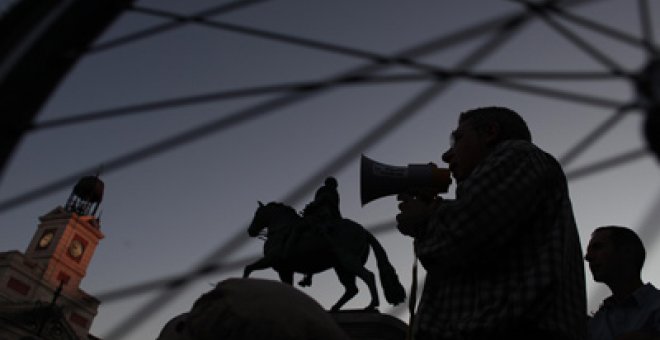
x=259 y=221
x=274 y=215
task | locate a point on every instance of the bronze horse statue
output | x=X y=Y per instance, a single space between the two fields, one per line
x=343 y=245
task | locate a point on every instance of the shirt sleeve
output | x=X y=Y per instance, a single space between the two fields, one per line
x=501 y=196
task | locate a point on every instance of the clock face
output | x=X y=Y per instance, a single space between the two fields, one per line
x=76 y=248
x=45 y=239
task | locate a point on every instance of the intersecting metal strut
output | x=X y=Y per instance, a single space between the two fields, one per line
x=42 y=40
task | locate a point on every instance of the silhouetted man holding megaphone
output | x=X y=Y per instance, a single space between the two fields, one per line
x=503 y=258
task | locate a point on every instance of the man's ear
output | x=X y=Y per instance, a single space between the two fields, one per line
x=491 y=133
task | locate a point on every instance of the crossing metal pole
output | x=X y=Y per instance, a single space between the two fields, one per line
x=39 y=42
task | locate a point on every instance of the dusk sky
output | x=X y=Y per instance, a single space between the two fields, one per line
x=166 y=214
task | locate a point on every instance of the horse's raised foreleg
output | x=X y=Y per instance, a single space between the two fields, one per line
x=262 y=263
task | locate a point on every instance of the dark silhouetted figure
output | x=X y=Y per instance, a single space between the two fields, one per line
x=616 y=257
x=318 y=214
x=325 y=206
x=345 y=248
x=253 y=309
x=503 y=258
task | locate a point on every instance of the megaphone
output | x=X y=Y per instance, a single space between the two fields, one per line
x=379 y=180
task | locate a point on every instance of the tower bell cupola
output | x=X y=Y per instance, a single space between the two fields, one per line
x=86 y=196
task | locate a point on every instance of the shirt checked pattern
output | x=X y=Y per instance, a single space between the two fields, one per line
x=505 y=254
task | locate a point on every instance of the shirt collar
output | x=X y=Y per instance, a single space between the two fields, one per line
x=636 y=298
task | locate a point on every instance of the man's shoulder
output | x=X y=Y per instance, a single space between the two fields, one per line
x=520 y=149
x=518 y=145
x=651 y=288
x=646 y=296
x=649 y=295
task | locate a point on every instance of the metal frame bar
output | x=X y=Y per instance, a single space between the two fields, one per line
x=173 y=24
x=42 y=40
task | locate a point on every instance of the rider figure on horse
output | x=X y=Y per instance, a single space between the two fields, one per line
x=317 y=217
x=325 y=206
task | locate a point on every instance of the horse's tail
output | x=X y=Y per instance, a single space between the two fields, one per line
x=394 y=291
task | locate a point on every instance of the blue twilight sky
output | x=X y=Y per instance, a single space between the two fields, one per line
x=164 y=214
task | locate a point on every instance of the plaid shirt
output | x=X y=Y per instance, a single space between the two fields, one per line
x=505 y=254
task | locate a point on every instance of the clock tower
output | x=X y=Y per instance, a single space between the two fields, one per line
x=56 y=260
x=66 y=238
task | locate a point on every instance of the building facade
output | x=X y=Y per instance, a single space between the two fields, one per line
x=40 y=295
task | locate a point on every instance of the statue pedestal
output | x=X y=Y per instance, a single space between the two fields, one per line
x=364 y=325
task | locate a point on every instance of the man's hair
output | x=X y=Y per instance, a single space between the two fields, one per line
x=626 y=239
x=511 y=124
x=331 y=182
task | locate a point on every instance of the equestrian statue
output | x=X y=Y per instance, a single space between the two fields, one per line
x=318 y=240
